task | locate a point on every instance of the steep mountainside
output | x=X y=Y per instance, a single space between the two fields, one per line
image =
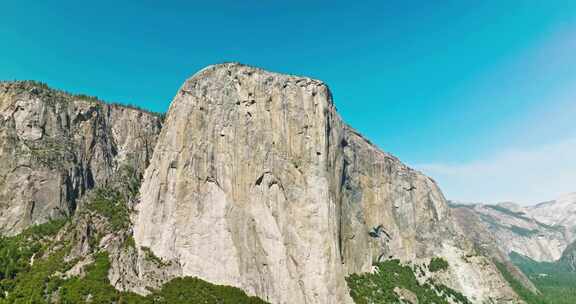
x=535 y=244
x=541 y=232
x=486 y=242
x=516 y=231
x=257 y=183
x=555 y=280
x=54 y=147
x=568 y=258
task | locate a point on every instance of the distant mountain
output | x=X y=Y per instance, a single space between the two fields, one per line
x=557 y=213
x=537 y=240
x=541 y=232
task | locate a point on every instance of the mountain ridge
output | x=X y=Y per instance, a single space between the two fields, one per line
x=252 y=180
x=541 y=232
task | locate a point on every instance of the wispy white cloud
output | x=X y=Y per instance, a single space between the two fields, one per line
x=534 y=154
x=523 y=176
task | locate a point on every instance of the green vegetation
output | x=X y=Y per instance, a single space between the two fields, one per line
x=455 y=295
x=161 y=115
x=65 y=96
x=16 y=252
x=110 y=204
x=43 y=283
x=520 y=215
x=38 y=84
x=32 y=265
x=129 y=181
x=378 y=287
x=523 y=231
x=150 y=256
x=528 y=296
x=555 y=280
x=558 y=228
x=129 y=242
x=22 y=253
x=50 y=152
x=94 y=284
x=48 y=229
x=491 y=221
x=87 y=98
x=438 y=264
x=98 y=101
x=494 y=224
x=453 y=204
x=568 y=259
x=193 y=290
x=39 y=282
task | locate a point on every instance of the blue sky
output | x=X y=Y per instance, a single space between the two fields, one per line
x=447 y=86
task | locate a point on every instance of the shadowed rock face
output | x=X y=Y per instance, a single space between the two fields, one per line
x=55 y=146
x=569 y=257
x=256 y=182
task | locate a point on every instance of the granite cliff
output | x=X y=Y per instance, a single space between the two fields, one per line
x=256 y=182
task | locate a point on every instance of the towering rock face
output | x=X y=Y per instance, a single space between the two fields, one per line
x=55 y=146
x=257 y=183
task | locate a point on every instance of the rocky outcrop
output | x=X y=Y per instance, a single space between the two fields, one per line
x=257 y=183
x=55 y=146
